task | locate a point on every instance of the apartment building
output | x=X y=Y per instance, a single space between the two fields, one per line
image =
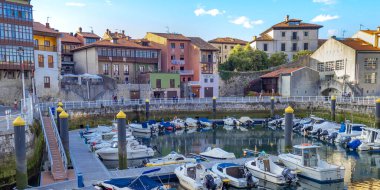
x=16 y=48
x=86 y=38
x=225 y=45
x=68 y=43
x=349 y=65
x=288 y=36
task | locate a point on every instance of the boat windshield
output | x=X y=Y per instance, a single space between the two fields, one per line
x=357 y=128
x=310 y=157
x=297 y=151
x=236 y=172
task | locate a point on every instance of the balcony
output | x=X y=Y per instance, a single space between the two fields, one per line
x=45 y=48
x=128 y=59
x=294 y=38
x=208 y=61
x=194 y=83
x=67 y=51
x=178 y=62
x=186 y=72
x=16 y=66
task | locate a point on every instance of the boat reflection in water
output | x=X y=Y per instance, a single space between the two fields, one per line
x=362 y=168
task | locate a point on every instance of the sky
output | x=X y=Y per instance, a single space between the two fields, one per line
x=207 y=19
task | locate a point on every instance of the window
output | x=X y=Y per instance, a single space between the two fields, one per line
x=370 y=78
x=141 y=68
x=126 y=69
x=172 y=45
x=231 y=47
x=321 y=67
x=265 y=47
x=40 y=60
x=294 y=47
x=305 y=46
x=283 y=34
x=172 y=83
x=282 y=46
x=294 y=36
x=106 y=69
x=188 y=78
x=339 y=65
x=158 y=83
x=36 y=43
x=225 y=47
x=50 y=61
x=182 y=57
x=370 y=63
x=11 y=75
x=115 y=69
x=211 y=80
x=182 y=46
x=46 y=82
x=172 y=57
x=206 y=80
x=305 y=33
x=329 y=66
x=90 y=40
x=47 y=43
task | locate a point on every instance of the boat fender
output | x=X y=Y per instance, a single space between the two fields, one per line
x=210 y=184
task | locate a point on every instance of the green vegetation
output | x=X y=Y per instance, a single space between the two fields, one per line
x=300 y=54
x=277 y=59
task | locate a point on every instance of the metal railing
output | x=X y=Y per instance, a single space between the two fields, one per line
x=59 y=142
x=45 y=137
x=248 y=99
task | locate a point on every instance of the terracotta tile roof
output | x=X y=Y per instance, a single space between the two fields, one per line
x=38 y=27
x=122 y=43
x=228 y=40
x=263 y=37
x=171 y=36
x=87 y=34
x=277 y=73
x=358 y=44
x=203 y=45
x=66 y=37
x=285 y=25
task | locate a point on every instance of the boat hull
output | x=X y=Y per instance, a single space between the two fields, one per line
x=130 y=155
x=267 y=176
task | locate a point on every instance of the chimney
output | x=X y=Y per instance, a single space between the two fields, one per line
x=80 y=29
x=47 y=25
x=378 y=28
x=286 y=18
x=71 y=34
x=123 y=32
x=254 y=38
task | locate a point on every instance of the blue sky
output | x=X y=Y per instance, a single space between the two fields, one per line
x=206 y=18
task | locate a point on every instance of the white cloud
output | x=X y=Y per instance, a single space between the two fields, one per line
x=332 y=32
x=326 y=2
x=108 y=2
x=212 y=12
x=324 y=18
x=75 y=4
x=246 y=22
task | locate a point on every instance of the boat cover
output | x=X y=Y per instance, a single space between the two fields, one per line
x=203 y=119
x=227 y=165
x=218 y=153
x=141 y=183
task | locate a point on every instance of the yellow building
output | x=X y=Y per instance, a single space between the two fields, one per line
x=225 y=45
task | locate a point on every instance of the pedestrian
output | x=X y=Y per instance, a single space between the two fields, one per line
x=15 y=104
x=122 y=100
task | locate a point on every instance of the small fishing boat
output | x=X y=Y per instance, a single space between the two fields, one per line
x=134 y=151
x=191 y=122
x=178 y=123
x=172 y=158
x=145 y=127
x=217 y=153
x=246 y=121
x=305 y=159
x=231 y=121
x=196 y=177
x=143 y=182
x=236 y=174
x=205 y=122
x=351 y=130
x=265 y=168
x=369 y=139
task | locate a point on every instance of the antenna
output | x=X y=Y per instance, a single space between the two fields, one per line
x=344 y=31
x=361 y=26
x=167 y=29
x=92 y=29
x=47 y=19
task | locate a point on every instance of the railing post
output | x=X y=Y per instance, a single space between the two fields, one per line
x=20 y=149
x=64 y=131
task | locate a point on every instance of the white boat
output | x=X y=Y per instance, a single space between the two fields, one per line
x=236 y=175
x=142 y=128
x=246 y=120
x=178 y=123
x=197 y=177
x=369 y=138
x=107 y=143
x=172 y=158
x=231 y=121
x=351 y=131
x=191 y=122
x=306 y=160
x=134 y=151
x=321 y=125
x=265 y=168
x=217 y=153
x=205 y=122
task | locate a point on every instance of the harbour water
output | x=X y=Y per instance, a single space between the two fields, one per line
x=362 y=169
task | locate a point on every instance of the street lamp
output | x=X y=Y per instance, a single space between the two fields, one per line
x=20 y=52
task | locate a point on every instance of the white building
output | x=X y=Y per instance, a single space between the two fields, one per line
x=288 y=36
x=47 y=60
x=349 y=65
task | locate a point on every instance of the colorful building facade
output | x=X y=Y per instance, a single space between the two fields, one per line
x=164 y=85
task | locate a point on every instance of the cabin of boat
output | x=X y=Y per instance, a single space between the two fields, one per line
x=232 y=169
x=308 y=153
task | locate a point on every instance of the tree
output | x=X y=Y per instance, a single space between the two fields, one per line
x=277 y=59
x=300 y=54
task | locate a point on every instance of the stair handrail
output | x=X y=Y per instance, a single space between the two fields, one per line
x=45 y=137
x=59 y=142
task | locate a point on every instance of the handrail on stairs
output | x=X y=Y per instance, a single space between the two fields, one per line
x=45 y=137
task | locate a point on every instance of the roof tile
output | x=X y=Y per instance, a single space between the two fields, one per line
x=277 y=73
x=171 y=36
x=358 y=44
x=66 y=37
x=228 y=40
x=203 y=45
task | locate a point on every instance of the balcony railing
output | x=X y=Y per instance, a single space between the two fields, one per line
x=186 y=72
x=208 y=61
x=194 y=83
x=178 y=62
x=66 y=51
x=294 y=38
x=45 y=48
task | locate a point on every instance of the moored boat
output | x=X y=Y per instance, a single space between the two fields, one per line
x=197 y=177
x=217 y=153
x=236 y=175
x=172 y=158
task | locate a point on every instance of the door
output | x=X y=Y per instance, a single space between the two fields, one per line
x=209 y=92
x=172 y=94
x=135 y=95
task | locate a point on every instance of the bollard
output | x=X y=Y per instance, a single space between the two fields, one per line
x=20 y=149
x=80 y=180
x=59 y=110
x=64 y=130
x=288 y=127
x=333 y=106
x=214 y=105
x=147 y=109
x=122 y=143
x=272 y=107
x=377 y=125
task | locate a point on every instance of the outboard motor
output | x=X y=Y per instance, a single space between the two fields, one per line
x=249 y=177
x=346 y=140
x=289 y=175
x=308 y=128
x=324 y=133
x=317 y=132
x=210 y=184
x=332 y=136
